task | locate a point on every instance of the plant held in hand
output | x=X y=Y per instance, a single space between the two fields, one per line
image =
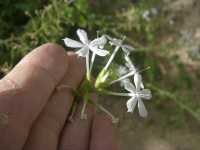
x=126 y=73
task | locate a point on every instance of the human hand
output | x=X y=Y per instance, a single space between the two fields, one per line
x=33 y=114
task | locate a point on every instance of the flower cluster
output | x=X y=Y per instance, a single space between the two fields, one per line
x=129 y=76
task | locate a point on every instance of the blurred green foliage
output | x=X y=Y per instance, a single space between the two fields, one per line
x=26 y=24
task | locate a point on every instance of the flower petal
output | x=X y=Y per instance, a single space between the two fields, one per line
x=130 y=104
x=137 y=81
x=82 y=36
x=83 y=52
x=128 y=47
x=99 y=42
x=145 y=93
x=142 y=85
x=142 y=110
x=108 y=37
x=116 y=42
x=121 y=70
x=129 y=87
x=113 y=41
x=72 y=43
x=123 y=82
x=98 y=51
x=129 y=64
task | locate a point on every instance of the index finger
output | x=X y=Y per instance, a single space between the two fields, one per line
x=25 y=91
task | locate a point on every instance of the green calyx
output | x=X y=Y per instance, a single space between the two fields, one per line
x=101 y=80
x=86 y=88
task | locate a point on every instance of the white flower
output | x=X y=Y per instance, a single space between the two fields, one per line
x=136 y=94
x=138 y=81
x=137 y=76
x=101 y=46
x=132 y=72
x=136 y=99
x=121 y=70
x=87 y=45
x=123 y=82
x=118 y=42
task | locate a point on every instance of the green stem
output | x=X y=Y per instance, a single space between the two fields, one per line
x=83 y=113
x=114 y=119
x=106 y=92
x=73 y=110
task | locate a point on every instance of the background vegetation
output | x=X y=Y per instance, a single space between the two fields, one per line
x=174 y=74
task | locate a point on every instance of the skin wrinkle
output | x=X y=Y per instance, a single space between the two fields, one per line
x=66 y=87
x=47 y=51
x=9 y=87
x=14 y=88
x=37 y=67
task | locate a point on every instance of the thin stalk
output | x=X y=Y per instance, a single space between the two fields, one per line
x=129 y=74
x=114 y=119
x=88 y=66
x=114 y=93
x=111 y=57
x=73 y=111
x=92 y=61
x=124 y=77
x=83 y=114
x=113 y=54
x=147 y=68
x=130 y=63
x=93 y=56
